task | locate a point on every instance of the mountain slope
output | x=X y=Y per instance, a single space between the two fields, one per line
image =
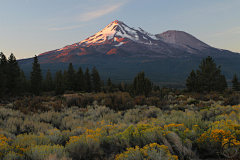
x=119 y=52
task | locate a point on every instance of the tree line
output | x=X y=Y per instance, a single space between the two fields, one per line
x=209 y=78
x=13 y=81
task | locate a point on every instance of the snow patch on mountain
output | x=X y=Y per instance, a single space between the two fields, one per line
x=118 y=29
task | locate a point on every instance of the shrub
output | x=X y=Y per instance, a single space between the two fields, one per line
x=4 y=145
x=152 y=151
x=86 y=146
x=41 y=152
x=14 y=156
x=26 y=140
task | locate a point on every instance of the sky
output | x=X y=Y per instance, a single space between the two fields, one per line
x=32 y=27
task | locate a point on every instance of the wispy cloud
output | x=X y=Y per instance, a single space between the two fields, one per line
x=90 y=15
x=87 y=15
x=65 y=28
x=231 y=31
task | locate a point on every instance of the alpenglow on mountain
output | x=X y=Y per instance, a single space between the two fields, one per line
x=119 y=39
x=120 y=52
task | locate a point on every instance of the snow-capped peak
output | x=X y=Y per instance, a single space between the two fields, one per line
x=117 y=29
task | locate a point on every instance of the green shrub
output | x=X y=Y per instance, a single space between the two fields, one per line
x=152 y=151
x=13 y=156
x=41 y=152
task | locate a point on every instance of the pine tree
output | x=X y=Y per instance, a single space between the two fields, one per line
x=65 y=79
x=141 y=85
x=13 y=76
x=235 y=83
x=49 y=81
x=192 y=82
x=36 y=77
x=55 y=80
x=96 y=81
x=80 y=84
x=208 y=77
x=3 y=64
x=59 y=89
x=88 y=81
x=23 y=82
x=109 y=83
x=71 y=78
x=2 y=83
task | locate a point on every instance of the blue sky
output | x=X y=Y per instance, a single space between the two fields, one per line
x=31 y=27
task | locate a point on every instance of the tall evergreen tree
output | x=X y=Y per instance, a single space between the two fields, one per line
x=3 y=87
x=235 y=83
x=3 y=64
x=141 y=85
x=3 y=74
x=23 y=82
x=59 y=89
x=88 y=81
x=55 y=79
x=96 y=81
x=71 y=78
x=65 y=79
x=192 y=82
x=36 y=77
x=13 y=76
x=208 y=77
x=49 y=81
x=80 y=83
x=109 y=83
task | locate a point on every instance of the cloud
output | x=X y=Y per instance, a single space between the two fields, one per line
x=65 y=28
x=90 y=15
x=231 y=31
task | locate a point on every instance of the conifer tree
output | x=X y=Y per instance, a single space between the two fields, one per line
x=109 y=86
x=13 y=76
x=80 y=83
x=235 y=83
x=141 y=85
x=2 y=83
x=59 y=89
x=192 y=82
x=109 y=83
x=55 y=79
x=3 y=64
x=65 y=79
x=208 y=77
x=3 y=74
x=71 y=77
x=88 y=81
x=49 y=81
x=96 y=81
x=36 y=77
x=23 y=82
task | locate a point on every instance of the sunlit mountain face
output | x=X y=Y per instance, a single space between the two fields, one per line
x=119 y=39
x=119 y=51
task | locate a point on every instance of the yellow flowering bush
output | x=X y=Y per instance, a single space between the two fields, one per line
x=26 y=140
x=40 y=152
x=86 y=146
x=4 y=145
x=14 y=156
x=152 y=151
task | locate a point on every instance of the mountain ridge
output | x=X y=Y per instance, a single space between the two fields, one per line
x=119 y=39
x=119 y=52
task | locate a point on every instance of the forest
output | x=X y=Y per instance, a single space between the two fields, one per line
x=75 y=116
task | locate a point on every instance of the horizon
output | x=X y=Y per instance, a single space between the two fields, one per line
x=29 y=28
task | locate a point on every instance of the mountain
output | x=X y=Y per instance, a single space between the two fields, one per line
x=125 y=50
